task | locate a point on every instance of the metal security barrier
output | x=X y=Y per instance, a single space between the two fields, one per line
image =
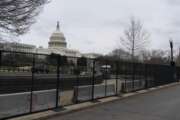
x=32 y=82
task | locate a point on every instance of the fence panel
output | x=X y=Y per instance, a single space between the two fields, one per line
x=128 y=75
x=150 y=80
x=121 y=76
x=111 y=87
x=164 y=75
x=15 y=84
x=139 y=76
x=68 y=80
x=100 y=79
x=178 y=73
x=44 y=83
x=85 y=84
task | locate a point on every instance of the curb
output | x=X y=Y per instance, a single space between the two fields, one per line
x=82 y=106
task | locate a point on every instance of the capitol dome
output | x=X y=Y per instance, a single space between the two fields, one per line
x=57 y=39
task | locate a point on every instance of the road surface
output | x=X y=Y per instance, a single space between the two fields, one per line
x=162 y=104
x=23 y=82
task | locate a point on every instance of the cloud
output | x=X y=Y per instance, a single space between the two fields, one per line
x=96 y=25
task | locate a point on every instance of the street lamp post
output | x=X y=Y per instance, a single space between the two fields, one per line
x=172 y=56
x=172 y=62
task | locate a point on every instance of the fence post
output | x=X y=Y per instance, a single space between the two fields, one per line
x=146 y=80
x=175 y=74
x=117 y=71
x=133 y=75
x=125 y=71
x=93 y=79
x=32 y=82
x=106 y=77
x=58 y=80
x=0 y=58
x=77 y=83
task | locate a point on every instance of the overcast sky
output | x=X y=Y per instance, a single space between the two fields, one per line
x=96 y=25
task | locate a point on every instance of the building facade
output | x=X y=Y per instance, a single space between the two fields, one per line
x=20 y=47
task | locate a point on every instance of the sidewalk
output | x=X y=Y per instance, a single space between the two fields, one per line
x=86 y=105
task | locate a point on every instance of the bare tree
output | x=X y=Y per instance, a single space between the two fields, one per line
x=177 y=58
x=119 y=53
x=16 y=16
x=159 y=57
x=155 y=56
x=135 y=37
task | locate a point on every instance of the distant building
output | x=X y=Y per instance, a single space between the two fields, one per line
x=13 y=46
x=57 y=39
x=57 y=44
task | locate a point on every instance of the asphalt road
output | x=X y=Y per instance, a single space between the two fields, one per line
x=163 y=104
x=23 y=82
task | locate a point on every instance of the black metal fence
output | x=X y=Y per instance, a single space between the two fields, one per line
x=36 y=82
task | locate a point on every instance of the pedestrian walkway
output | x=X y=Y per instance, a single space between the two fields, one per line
x=163 y=104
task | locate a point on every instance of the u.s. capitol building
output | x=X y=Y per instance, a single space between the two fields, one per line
x=57 y=44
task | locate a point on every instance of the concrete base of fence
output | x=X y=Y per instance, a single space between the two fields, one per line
x=14 y=104
x=19 y=103
x=44 y=100
x=129 y=86
x=86 y=105
x=84 y=93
